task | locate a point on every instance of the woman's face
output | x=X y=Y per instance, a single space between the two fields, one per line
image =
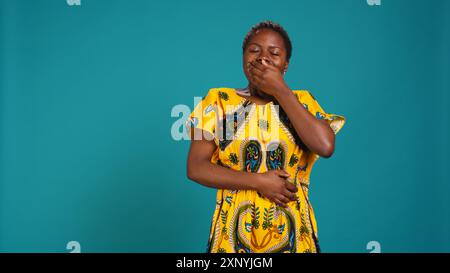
x=265 y=44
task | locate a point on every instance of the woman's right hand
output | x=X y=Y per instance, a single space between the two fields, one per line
x=274 y=186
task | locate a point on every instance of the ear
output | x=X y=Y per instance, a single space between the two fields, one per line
x=286 y=67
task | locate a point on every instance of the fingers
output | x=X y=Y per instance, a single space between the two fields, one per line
x=283 y=199
x=291 y=187
x=290 y=195
x=279 y=203
x=258 y=66
x=256 y=80
x=267 y=62
x=254 y=72
x=283 y=173
x=257 y=74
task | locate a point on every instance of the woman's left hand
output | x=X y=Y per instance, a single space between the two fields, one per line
x=266 y=77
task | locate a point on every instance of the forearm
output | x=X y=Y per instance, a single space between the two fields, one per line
x=214 y=176
x=315 y=134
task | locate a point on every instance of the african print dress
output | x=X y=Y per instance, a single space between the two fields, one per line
x=258 y=138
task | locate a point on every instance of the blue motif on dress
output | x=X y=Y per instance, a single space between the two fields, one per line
x=319 y=115
x=252 y=156
x=275 y=158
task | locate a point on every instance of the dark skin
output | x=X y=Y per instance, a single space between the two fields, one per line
x=264 y=62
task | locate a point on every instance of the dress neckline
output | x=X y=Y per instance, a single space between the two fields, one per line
x=241 y=92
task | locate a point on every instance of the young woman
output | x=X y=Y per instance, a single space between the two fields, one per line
x=257 y=146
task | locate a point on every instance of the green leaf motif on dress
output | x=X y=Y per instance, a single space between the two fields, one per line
x=303 y=228
x=223 y=95
x=233 y=159
x=221 y=250
x=268 y=216
x=255 y=216
x=293 y=160
x=224 y=215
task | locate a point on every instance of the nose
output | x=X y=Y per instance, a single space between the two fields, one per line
x=261 y=58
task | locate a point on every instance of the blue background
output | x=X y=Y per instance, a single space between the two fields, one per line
x=85 y=119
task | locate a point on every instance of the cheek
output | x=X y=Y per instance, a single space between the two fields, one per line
x=245 y=61
x=245 y=68
x=248 y=59
x=276 y=61
x=279 y=64
x=250 y=56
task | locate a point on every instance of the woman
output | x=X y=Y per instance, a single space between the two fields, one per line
x=257 y=146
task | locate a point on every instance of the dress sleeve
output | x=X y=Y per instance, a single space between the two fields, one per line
x=336 y=123
x=204 y=116
x=308 y=101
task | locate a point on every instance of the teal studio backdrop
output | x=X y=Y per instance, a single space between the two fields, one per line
x=87 y=93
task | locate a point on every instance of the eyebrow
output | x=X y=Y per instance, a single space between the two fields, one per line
x=262 y=46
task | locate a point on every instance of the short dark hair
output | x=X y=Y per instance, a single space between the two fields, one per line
x=272 y=26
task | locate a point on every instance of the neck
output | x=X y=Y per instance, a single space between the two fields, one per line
x=254 y=91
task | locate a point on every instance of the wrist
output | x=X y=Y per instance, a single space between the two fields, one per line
x=255 y=181
x=283 y=92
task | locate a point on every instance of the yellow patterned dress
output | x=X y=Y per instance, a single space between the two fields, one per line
x=257 y=138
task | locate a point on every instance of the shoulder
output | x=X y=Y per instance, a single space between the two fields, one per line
x=304 y=95
x=224 y=94
x=223 y=90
